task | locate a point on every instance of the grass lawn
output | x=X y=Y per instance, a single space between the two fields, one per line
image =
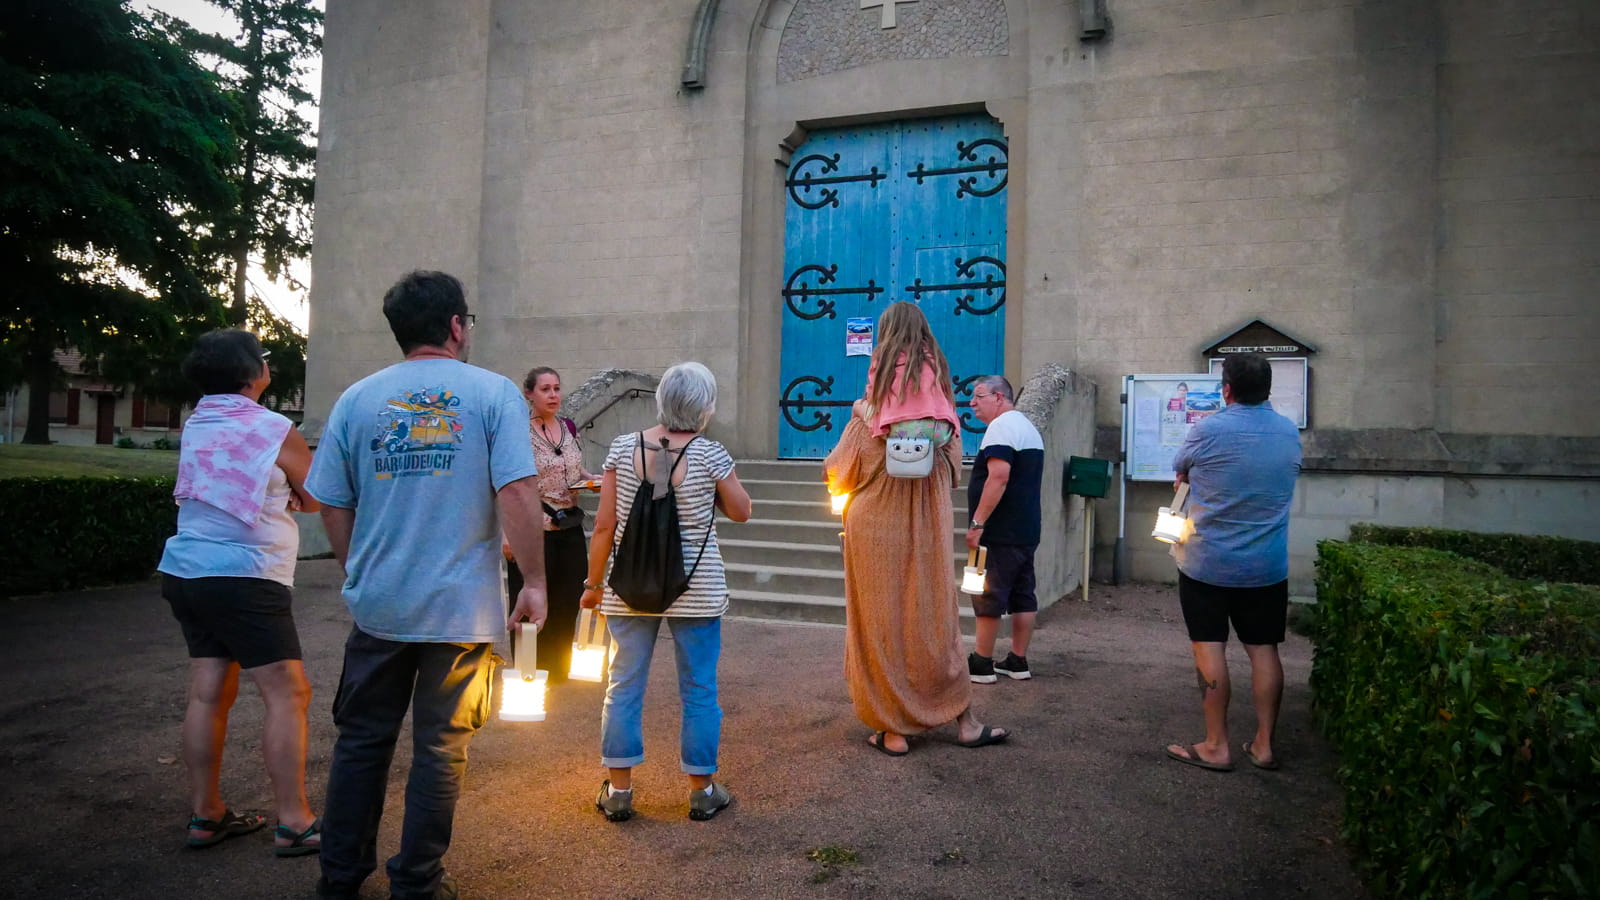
x=40 y=460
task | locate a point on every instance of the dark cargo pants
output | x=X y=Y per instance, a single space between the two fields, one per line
x=447 y=687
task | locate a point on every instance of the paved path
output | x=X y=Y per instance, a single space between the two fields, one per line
x=1081 y=803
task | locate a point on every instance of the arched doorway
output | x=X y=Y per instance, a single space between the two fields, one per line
x=911 y=210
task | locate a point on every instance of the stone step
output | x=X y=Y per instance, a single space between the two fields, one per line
x=809 y=470
x=784 y=579
x=821 y=609
x=784 y=531
x=786 y=553
x=821 y=511
x=825 y=582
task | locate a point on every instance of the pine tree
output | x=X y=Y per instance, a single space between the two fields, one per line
x=262 y=67
x=114 y=153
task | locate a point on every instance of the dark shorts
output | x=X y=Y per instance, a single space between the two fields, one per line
x=1009 y=584
x=1259 y=614
x=244 y=619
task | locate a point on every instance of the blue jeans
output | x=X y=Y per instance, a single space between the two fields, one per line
x=699 y=646
x=446 y=687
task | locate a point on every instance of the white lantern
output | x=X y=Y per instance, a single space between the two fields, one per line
x=839 y=502
x=972 y=577
x=1172 y=522
x=522 y=689
x=591 y=652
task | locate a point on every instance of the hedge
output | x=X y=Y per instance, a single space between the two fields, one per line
x=1532 y=556
x=1465 y=706
x=66 y=533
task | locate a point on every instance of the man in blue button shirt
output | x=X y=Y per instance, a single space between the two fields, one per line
x=1241 y=465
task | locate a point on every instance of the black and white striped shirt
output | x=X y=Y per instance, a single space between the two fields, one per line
x=706 y=462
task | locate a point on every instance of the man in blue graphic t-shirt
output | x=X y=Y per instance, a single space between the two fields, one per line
x=1004 y=498
x=421 y=468
x=1241 y=465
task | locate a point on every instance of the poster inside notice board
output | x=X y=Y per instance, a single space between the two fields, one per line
x=1159 y=411
x=1291 y=379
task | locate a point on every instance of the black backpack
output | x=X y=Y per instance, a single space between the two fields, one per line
x=647 y=571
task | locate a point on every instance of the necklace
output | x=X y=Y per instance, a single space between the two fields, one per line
x=555 y=444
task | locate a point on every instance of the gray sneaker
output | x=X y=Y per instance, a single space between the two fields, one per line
x=618 y=807
x=703 y=806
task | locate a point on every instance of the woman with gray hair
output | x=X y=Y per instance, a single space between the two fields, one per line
x=674 y=459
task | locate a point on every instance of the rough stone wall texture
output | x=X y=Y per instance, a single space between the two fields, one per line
x=1411 y=185
x=823 y=36
x=1217 y=162
x=1061 y=405
x=1519 y=225
x=610 y=230
x=399 y=175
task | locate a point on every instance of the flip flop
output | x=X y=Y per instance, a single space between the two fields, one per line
x=1270 y=765
x=302 y=844
x=1188 y=758
x=230 y=825
x=986 y=737
x=881 y=747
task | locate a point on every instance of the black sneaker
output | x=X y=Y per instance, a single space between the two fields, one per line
x=1014 y=666
x=980 y=669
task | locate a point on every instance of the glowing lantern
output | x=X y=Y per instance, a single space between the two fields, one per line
x=1172 y=522
x=522 y=686
x=591 y=652
x=972 y=577
x=839 y=502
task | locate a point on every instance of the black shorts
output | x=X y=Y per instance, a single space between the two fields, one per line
x=242 y=619
x=1259 y=614
x=1009 y=585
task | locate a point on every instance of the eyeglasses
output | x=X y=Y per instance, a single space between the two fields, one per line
x=265 y=353
x=977 y=396
x=472 y=320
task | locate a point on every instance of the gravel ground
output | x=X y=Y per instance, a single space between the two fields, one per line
x=1080 y=803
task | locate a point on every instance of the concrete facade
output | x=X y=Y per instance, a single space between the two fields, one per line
x=1413 y=186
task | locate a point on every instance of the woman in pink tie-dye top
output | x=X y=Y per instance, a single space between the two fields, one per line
x=227 y=574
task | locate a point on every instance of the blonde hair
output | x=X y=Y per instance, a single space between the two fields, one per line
x=903 y=329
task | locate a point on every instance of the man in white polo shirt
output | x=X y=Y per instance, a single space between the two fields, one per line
x=1004 y=498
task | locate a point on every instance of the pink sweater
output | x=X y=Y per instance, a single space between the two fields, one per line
x=929 y=403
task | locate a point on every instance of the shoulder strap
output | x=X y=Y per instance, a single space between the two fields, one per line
x=709 y=525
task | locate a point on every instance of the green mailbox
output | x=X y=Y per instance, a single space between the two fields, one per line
x=1087 y=476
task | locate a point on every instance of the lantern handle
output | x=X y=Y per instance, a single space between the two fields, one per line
x=521 y=648
x=590 y=623
x=978 y=557
x=1180 y=498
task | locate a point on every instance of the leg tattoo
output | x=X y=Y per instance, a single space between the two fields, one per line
x=1202 y=683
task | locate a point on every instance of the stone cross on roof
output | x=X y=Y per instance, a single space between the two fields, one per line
x=888 y=9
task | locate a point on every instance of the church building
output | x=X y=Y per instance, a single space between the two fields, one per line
x=1397 y=199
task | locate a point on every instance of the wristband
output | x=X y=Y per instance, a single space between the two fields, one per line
x=975 y=525
x=590 y=587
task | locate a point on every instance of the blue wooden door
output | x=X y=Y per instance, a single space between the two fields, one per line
x=912 y=210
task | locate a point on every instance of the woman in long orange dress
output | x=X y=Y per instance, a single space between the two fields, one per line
x=904 y=659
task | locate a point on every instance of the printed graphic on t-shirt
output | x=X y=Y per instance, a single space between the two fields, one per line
x=417 y=434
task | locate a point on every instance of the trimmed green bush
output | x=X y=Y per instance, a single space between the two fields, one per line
x=1465 y=706
x=68 y=533
x=1532 y=556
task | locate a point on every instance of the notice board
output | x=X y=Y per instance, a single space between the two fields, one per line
x=1291 y=382
x=1156 y=416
